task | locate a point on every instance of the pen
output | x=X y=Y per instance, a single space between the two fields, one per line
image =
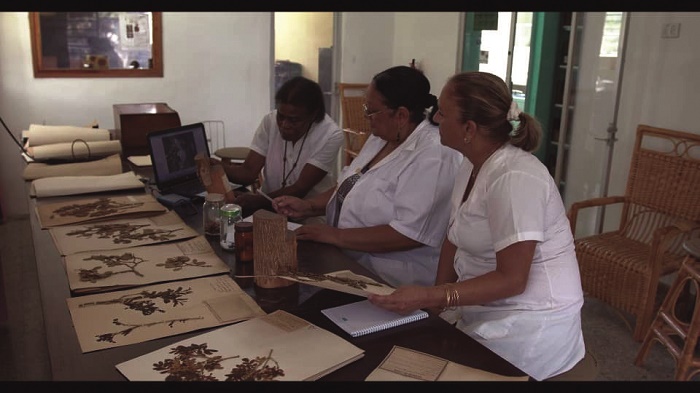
x=266 y=196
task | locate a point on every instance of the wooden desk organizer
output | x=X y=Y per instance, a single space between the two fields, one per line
x=275 y=249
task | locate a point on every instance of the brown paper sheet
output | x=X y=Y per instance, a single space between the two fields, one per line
x=403 y=364
x=93 y=209
x=98 y=271
x=122 y=233
x=118 y=318
x=76 y=185
x=111 y=165
x=283 y=347
x=39 y=134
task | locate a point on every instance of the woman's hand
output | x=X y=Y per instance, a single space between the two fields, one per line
x=318 y=232
x=250 y=203
x=406 y=299
x=292 y=207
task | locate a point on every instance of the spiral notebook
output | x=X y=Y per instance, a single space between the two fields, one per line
x=360 y=318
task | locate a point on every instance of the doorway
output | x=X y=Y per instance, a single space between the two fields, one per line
x=499 y=43
x=304 y=45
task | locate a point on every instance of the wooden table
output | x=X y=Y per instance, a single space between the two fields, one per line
x=432 y=335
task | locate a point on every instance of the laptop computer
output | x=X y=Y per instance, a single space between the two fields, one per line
x=172 y=156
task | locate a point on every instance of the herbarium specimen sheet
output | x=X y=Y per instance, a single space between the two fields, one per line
x=134 y=315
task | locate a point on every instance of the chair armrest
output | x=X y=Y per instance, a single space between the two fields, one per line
x=593 y=202
x=686 y=225
x=669 y=232
x=665 y=236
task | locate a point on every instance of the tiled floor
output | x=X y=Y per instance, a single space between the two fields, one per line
x=23 y=353
x=22 y=337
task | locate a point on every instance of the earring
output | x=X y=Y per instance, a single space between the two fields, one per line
x=467 y=139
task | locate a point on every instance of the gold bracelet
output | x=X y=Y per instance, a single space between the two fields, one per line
x=451 y=297
x=455 y=297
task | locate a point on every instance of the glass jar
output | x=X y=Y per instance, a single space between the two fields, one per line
x=230 y=215
x=211 y=215
x=244 y=241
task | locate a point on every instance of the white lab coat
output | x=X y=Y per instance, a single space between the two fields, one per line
x=320 y=149
x=409 y=189
x=514 y=199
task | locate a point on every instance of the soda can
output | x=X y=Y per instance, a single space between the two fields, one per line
x=230 y=215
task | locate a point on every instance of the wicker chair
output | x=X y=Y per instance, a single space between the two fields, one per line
x=355 y=125
x=660 y=208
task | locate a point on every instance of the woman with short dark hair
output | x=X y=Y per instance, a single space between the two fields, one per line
x=296 y=147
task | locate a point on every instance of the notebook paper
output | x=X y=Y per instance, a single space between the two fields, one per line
x=360 y=318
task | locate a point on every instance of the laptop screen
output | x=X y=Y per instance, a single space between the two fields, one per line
x=173 y=151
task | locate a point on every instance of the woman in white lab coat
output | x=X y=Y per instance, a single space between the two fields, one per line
x=508 y=269
x=391 y=208
x=295 y=146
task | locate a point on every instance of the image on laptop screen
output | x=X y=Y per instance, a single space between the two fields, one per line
x=173 y=151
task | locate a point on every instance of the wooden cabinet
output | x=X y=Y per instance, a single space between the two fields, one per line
x=132 y=122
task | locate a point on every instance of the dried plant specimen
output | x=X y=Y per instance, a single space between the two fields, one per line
x=257 y=369
x=109 y=337
x=359 y=284
x=177 y=263
x=196 y=362
x=142 y=301
x=124 y=233
x=128 y=260
x=101 y=207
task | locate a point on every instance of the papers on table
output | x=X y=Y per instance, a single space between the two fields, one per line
x=75 y=150
x=140 y=314
x=140 y=161
x=122 y=233
x=404 y=364
x=39 y=134
x=111 y=165
x=69 y=143
x=97 y=209
x=75 y=185
x=342 y=281
x=99 y=271
x=275 y=347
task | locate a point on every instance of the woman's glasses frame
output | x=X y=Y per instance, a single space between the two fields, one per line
x=369 y=115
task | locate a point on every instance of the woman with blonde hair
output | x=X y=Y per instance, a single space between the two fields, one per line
x=508 y=271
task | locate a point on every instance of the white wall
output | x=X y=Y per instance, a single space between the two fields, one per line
x=375 y=41
x=367 y=45
x=226 y=78
x=432 y=38
x=659 y=88
x=230 y=80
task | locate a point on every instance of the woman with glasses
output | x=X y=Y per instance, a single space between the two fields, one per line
x=296 y=146
x=508 y=271
x=391 y=207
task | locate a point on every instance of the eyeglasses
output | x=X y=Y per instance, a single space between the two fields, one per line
x=368 y=115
